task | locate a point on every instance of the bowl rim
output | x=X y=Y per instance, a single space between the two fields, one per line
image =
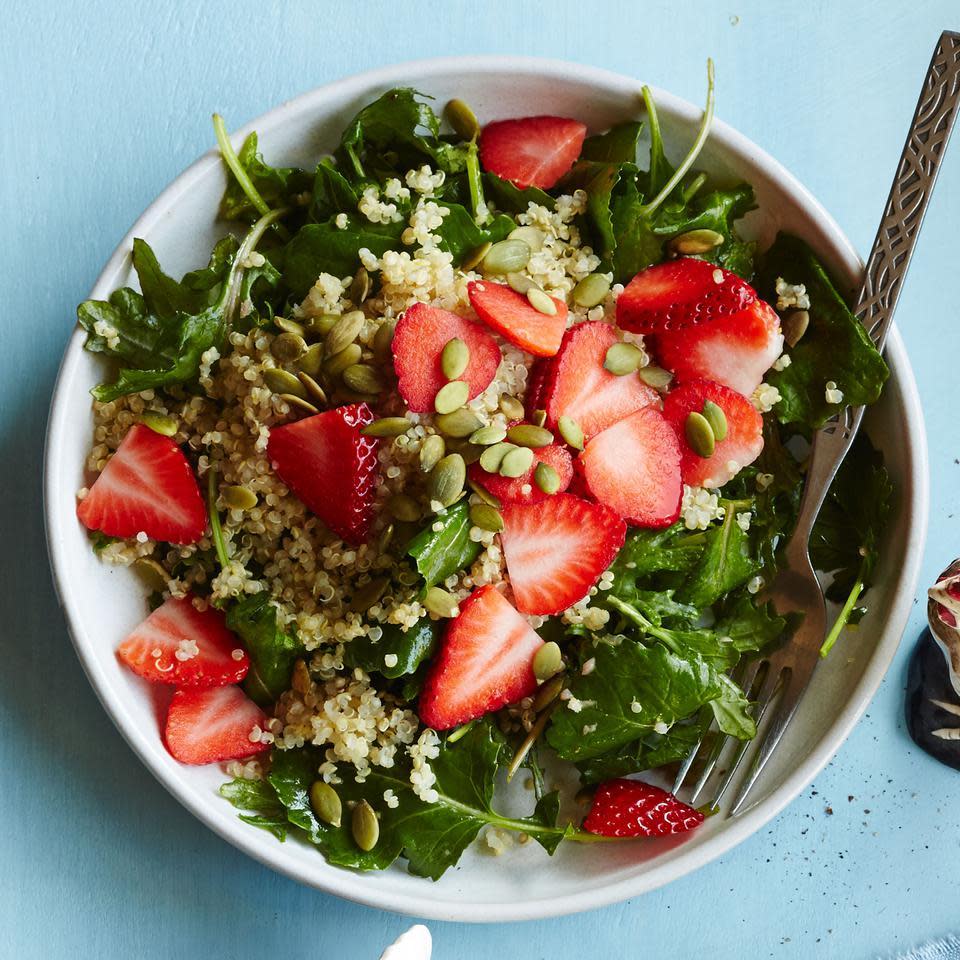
x=354 y=886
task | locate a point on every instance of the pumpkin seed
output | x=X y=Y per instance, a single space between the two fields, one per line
x=475 y=256
x=365 y=596
x=592 y=290
x=541 y=302
x=151 y=573
x=507 y=256
x=160 y=423
x=360 y=287
x=795 y=326
x=298 y=404
x=469 y=451
x=622 y=358
x=696 y=241
x=529 y=435
x=365 y=826
x=531 y=236
x=656 y=377
x=404 y=508
x=344 y=332
x=548 y=693
x=462 y=119
x=311 y=360
x=570 y=432
x=287 y=325
x=492 y=457
x=460 y=423
x=520 y=283
x=454 y=358
x=485 y=495
x=325 y=803
x=282 y=381
x=511 y=407
x=362 y=378
x=431 y=452
x=441 y=603
x=238 y=498
x=287 y=347
x=385 y=538
x=383 y=341
x=486 y=436
x=717 y=419
x=516 y=462
x=300 y=677
x=485 y=517
x=386 y=427
x=322 y=325
x=446 y=479
x=699 y=434
x=546 y=478
x=315 y=392
x=336 y=363
x=547 y=661
x=451 y=396
x=539 y=418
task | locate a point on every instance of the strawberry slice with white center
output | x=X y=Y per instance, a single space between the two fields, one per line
x=182 y=645
x=486 y=662
x=523 y=489
x=681 y=293
x=331 y=467
x=634 y=468
x=735 y=351
x=418 y=341
x=740 y=447
x=580 y=388
x=214 y=724
x=531 y=151
x=146 y=487
x=513 y=316
x=556 y=550
x=632 y=808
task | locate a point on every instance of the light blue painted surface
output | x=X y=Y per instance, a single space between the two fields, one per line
x=102 y=107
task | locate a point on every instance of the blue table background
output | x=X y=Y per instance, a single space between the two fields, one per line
x=103 y=104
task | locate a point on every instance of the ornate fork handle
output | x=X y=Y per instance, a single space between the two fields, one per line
x=889 y=259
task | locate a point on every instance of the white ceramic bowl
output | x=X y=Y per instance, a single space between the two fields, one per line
x=102 y=603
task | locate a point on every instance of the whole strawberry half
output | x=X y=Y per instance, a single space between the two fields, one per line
x=146 y=487
x=681 y=293
x=418 y=341
x=531 y=151
x=632 y=808
x=514 y=489
x=331 y=467
x=511 y=314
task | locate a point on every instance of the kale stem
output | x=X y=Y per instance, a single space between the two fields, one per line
x=231 y=289
x=473 y=179
x=632 y=613
x=690 y=190
x=681 y=171
x=215 y=526
x=844 y=616
x=231 y=159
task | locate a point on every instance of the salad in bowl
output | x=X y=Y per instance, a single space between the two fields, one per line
x=464 y=462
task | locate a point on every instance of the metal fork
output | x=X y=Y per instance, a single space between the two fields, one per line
x=781 y=676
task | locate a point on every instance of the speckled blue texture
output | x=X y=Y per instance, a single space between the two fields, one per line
x=103 y=104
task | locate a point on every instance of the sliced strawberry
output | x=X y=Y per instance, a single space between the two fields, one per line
x=421 y=334
x=511 y=489
x=632 y=808
x=161 y=648
x=535 y=397
x=742 y=444
x=510 y=313
x=556 y=550
x=634 y=468
x=735 y=351
x=331 y=467
x=579 y=387
x=531 y=151
x=486 y=662
x=205 y=726
x=146 y=487
x=681 y=293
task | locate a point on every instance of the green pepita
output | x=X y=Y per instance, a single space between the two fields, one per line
x=446 y=480
x=547 y=661
x=485 y=517
x=475 y=256
x=315 y=393
x=362 y=378
x=282 y=381
x=492 y=457
x=694 y=242
x=365 y=596
x=431 y=452
x=485 y=495
x=462 y=120
x=365 y=826
x=529 y=435
x=656 y=377
x=322 y=325
x=404 y=508
x=360 y=287
x=539 y=418
x=532 y=236
x=795 y=326
x=287 y=347
x=521 y=283
x=451 y=396
x=592 y=290
x=699 y=434
x=160 y=423
x=311 y=360
x=300 y=677
x=238 y=498
x=516 y=462
x=383 y=341
x=717 y=419
x=488 y=435
x=325 y=803
x=151 y=573
x=287 y=325
x=507 y=256
x=546 y=478
x=441 y=603
x=298 y=404
x=386 y=538
x=623 y=358
x=336 y=363
x=454 y=358
x=344 y=332
x=460 y=423
x=511 y=407
x=386 y=427
x=541 y=302
x=548 y=692
x=469 y=451
x=571 y=432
